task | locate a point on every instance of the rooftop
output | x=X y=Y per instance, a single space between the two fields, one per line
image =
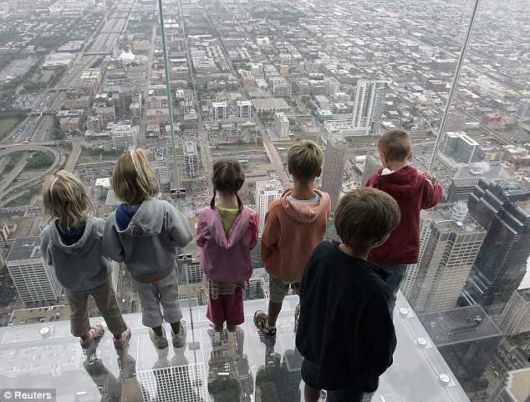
x=48 y=356
x=25 y=248
x=459 y=325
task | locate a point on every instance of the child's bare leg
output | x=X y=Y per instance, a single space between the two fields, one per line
x=274 y=312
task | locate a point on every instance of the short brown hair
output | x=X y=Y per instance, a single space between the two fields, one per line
x=65 y=199
x=227 y=177
x=395 y=145
x=134 y=179
x=364 y=217
x=304 y=160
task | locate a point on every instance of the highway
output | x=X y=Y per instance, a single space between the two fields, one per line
x=143 y=121
x=11 y=193
x=204 y=142
x=73 y=157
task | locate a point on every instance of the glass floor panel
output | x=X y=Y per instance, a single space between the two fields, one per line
x=242 y=367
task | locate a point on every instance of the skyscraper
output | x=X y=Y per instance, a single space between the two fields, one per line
x=450 y=242
x=368 y=106
x=35 y=281
x=503 y=208
x=334 y=158
x=266 y=192
x=515 y=317
x=371 y=165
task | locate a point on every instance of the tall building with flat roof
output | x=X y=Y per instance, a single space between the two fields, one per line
x=281 y=125
x=450 y=241
x=515 y=318
x=503 y=208
x=466 y=337
x=368 y=106
x=219 y=110
x=460 y=148
x=333 y=169
x=191 y=157
x=266 y=192
x=371 y=165
x=245 y=109
x=35 y=281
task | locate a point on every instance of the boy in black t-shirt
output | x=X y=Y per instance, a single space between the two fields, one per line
x=345 y=332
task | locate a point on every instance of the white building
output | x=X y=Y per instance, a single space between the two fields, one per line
x=124 y=136
x=245 y=109
x=191 y=157
x=450 y=240
x=35 y=281
x=219 y=110
x=368 y=106
x=266 y=192
x=281 y=125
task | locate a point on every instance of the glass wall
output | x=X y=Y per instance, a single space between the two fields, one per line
x=82 y=81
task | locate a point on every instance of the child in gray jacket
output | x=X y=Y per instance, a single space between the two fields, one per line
x=72 y=245
x=144 y=233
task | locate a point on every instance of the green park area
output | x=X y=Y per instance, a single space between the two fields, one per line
x=7 y=124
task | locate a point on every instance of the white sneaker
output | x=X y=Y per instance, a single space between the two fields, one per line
x=160 y=342
x=179 y=339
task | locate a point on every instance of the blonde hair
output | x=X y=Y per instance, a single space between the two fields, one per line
x=304 y=160
x=395 y=145
x=364 y=217
x=64 y=198
x=134 y=179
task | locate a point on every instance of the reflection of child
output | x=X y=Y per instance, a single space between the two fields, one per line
x=413 y=192
x=145 y=233
x=226 y=232
x=72 y=245
x=345 y=333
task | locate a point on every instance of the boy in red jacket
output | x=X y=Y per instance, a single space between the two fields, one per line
x=413 y=192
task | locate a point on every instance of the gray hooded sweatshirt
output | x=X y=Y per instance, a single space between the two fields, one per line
x=148 y=246
x=80 y=267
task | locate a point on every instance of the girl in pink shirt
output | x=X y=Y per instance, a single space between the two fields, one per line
x=226 y=231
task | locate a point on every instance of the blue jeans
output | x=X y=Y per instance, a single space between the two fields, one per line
x=310 y=376
x=396 y=275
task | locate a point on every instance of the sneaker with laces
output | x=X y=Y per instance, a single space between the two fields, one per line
x=123 y=341
x=160 y=342
x=92 y=338
x=179 y=339
x=261 y=322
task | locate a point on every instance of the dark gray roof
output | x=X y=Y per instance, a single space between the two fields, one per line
x=25 y=248
x=458 y=325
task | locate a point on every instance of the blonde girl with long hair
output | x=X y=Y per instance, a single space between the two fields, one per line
x=72 y=245
x=144 y=233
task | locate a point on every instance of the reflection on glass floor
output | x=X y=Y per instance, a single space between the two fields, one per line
x=234 y=367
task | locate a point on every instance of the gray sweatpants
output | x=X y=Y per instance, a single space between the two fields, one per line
x=162 y=292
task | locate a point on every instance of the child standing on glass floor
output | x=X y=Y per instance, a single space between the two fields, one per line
x=72 y=245
x=413 y=192
x=144 y=233
x=226 y=231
